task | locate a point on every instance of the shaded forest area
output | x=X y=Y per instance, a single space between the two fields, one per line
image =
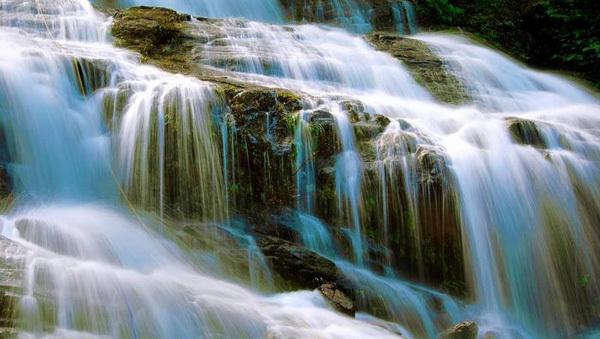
x=555 y=34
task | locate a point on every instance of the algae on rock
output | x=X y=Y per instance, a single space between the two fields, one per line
x=427 y=69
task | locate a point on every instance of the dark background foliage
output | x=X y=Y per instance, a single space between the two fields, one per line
x=556 y=34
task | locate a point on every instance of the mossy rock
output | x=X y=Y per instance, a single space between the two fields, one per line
x=149 y=30
x=464 y=330
x=427 y=69
x=525 y=132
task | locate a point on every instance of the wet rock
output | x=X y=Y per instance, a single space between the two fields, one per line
x=367 y=130
x=263 y=139
x=262 y=163
x=300 y=267
x=355 y=110
x=6 y=196
x=231 y=249
x=525 y=132
x=427 y=69
x=382 y=120
x=11 y=282
x=338 y=299
x=327 y=143
x=464 y=330
x=92 y=74
x=431 y=165
x=283 y=225
x=149 y=30
x=377 y=12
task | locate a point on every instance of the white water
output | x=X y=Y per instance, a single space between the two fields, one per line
x=525 y=212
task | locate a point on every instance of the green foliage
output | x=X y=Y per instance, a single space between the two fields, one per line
x=316 y=130
x=291 y=120
x=583 y=281
x=447 y=12
x=570 y=35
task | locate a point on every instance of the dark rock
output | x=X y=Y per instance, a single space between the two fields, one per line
x=377 y=12
x=327 y=143
x=263 y=139
x=6 y=194
x=338 y=299
x=260 y=124
x=300 y=267
x=431 y=165
x=525 y=132
x=284 y=225
x=464 y=330
x=427 y=69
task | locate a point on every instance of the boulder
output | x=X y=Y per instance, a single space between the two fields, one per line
x=525 y=132
x=338 y=299
x=464 y=330
x=301 y=268
x=149 y=30
x=431 y=165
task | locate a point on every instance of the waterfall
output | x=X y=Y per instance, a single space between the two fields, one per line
x=128 y=179
x=523 y=208
x=97 y=269
x=405 y=17
x=43 y=109
x=260 y=10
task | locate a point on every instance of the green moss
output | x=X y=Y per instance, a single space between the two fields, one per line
x=427 y=69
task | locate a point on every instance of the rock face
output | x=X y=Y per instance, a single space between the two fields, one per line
x=259 y=126
x=464 y=330
x=338 y=299
x=263 y=171
x=149 y=30
x=427 y=69
x=378 y=13
x=11 y=283
x=525 y=132
x=6 y=195
x=298 y=266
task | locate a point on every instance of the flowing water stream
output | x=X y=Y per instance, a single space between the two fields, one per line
x=90 y=132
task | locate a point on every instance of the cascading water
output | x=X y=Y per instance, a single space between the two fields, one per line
x=405 y=17
x=350 y=14
x=93 y=270
x=524 y=208
x=517 y=170
x=261 y=10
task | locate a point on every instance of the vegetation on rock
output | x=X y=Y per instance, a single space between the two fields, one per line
x=427 y=69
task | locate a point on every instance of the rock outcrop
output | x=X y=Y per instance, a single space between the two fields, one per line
x=262 y=154
x=150 y=30
x=11 y=283
x=377 y=13
x=300 y=267
x=427 y=69
x=338 y=299
x=464 y=330
x=525 y=132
